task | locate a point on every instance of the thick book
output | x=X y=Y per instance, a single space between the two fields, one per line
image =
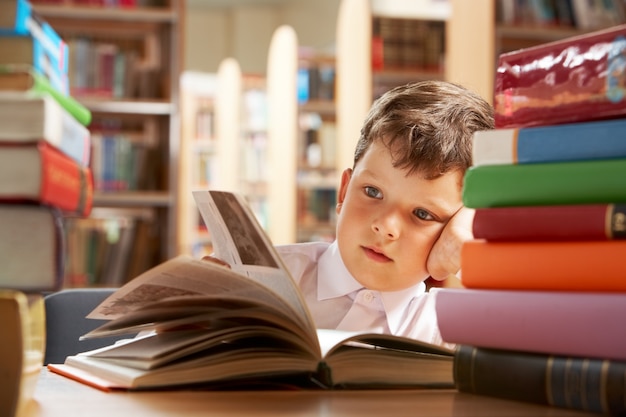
x=20 y=272
x=556 y=222
x=204 y=323
x=578 y=383
x=567 y=142
x=549 y=265
x=17 y=18
x=26 y=117
x=575 y=79
x=24 y=79
x=38 y=172
x=570 y=323
x=29 y=50
x=550 y=183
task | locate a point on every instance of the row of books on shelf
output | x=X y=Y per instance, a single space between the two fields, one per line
x=581 y=14
x=407 y=44
x=540 y=317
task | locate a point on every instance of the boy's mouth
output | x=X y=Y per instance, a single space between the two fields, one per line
x=375 y=254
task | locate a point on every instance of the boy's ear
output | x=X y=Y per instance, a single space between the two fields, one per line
x=343 y=188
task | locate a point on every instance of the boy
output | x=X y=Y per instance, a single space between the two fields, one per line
x=402 y=193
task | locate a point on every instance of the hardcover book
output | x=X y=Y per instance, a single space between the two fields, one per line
x=19 y=271
x=550 y=322
x=590 y=266
x=566 y=142
x=29 y=50
x=205 y=323
x=24 y=79
x=38 y=172
x=577 y=383
x=558 y=82
x=550 y=183
x=28 y=118
x=558 y=222
x=17 y=18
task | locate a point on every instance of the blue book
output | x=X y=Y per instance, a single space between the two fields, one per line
x=555 y=143
x=24 y=21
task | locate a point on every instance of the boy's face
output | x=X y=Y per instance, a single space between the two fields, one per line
x=388 y=221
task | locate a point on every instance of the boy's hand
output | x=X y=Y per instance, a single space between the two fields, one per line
x=444 y=259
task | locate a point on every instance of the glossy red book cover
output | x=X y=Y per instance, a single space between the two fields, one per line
x=576 y=79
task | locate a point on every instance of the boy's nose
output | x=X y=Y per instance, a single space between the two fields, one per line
x=388 y=225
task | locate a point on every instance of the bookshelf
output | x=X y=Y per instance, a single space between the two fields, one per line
x=124 y=66
x=317 y=171
x=223 y=145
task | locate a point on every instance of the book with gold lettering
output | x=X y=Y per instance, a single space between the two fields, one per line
x=202 y=323
x=38 y=172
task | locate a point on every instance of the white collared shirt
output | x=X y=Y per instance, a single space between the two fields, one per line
x=338 y=301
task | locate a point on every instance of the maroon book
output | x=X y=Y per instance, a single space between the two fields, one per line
x=539 y=223
x=581 y=78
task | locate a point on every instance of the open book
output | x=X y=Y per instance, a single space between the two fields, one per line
x=203 y=323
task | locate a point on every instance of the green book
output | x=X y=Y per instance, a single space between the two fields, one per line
x=599 y=181
x=23 y=78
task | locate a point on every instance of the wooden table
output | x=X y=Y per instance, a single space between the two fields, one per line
x=56 y=396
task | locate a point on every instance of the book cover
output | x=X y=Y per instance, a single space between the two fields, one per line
x=595 y=385
x=214 y=324
x=17 y=247
x=555 y=222
x=27 y=118
x=29 y=50
x=20 y=19
x=550 y=322
x=550 y=183
x=554 y=143
x=558 y=82
x=24 y=78
x=551 y=266
x=40 y=173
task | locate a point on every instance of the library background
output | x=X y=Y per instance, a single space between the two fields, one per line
x=261 y=97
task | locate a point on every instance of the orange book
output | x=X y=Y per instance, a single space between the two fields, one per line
x=565 y=266
x=40 y=173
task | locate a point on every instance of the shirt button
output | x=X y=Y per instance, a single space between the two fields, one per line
x=368 y=296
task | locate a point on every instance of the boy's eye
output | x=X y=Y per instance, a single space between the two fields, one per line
x=373 y=192
x=422 y=214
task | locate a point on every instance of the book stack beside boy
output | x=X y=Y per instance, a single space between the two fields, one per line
x=541 y=317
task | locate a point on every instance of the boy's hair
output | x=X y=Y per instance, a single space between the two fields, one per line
x=427 y=126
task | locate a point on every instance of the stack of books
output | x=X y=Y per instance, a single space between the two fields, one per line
x=44 y=153
x=44 y=176
x=540 y=318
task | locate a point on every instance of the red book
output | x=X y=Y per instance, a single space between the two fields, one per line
x=558 y=222
x=550 y=266
x=560 y=323
x=576 y=79
x=40 y=173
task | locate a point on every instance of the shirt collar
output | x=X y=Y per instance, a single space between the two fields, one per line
x=334 y=280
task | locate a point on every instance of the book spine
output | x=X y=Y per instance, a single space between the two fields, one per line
x=44 y=65
x=570 y=266
x=580 y=182
x=23 y=10
x=80 y=112
x=594 y=385
x=567 y=142
x=29 y=23
x=558 y=82
x=64 y=183
x=562 y=222
x=563 y=322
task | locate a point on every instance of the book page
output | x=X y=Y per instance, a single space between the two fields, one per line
x=239 y=240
